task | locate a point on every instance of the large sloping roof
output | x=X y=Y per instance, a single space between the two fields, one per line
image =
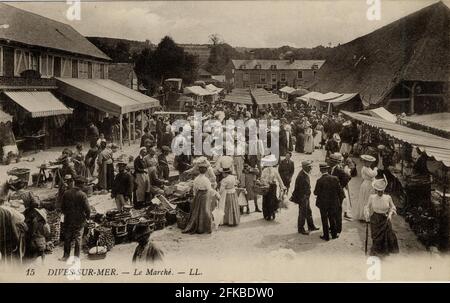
x=32 y=29
x=413 y=48
x=280 y=64
x=240 y=96
x=262 y=97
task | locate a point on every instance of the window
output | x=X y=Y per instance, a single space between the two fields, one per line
x=66 y=68
x=258 y=66
x=262 y=78
x=315 y=66
x=300 y=74
x=283 y=77
x=245 y=77
x=242 y=66
x=47 y=65
x=24 y=60
x=74 y=68
x=90 y=70
x=273 y=66
x=274 y=77
x=83 y=72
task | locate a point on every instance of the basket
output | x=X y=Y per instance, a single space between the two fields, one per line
x=97 y=255
x=260 y=189
x=22 y=173
x=54 y=221
x=182 y=219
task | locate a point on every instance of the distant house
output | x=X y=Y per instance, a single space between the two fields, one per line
x=403 y=66
x=124 y=74
x=272 y=74
x=204 y=74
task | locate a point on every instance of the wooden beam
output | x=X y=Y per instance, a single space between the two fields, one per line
x=129 y=129
x=405 y=86
x=413 y=89
x=142 y=122
x=429 y=95
x=120 y=131
x=134 y=127
x=399 y=99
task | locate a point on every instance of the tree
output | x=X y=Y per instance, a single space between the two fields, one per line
x=168 y=60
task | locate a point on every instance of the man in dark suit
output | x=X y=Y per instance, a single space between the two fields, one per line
x=344 y=177
x=286 y=169
x=300 y=196
x=329 y=198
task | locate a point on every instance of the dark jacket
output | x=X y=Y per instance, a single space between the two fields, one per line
x=332 y=146
x=284 y=146
x=343 y=177
x=163 y=167
x=139 y=166
x=286 y=170
x=302 y=189
x=123 y=185
x=329 y=192
x=75 y=207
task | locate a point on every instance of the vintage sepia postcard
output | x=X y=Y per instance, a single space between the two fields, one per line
x=224 y=141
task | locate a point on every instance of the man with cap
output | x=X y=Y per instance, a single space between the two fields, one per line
x=344 y=177
x=329 y=198
x=286 y=169
x=76 y=210
x=146 y=251
x=123 y=186
x=300 y=196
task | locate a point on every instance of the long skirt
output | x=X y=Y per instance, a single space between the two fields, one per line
x=300 y=143
x=309 y=144
x=384 y=240
x=200 y=217
x=142 y=187
x=232 y=214
x=365 y=191
x=106 y=176
x=270 y=202
x=318 y=139
x=250 y=180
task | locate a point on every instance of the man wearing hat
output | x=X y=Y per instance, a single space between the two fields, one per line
x=344 y=177
x=76 y=210
x=300 y=196
x=123 y=186
x=329 y=198
x=146 y=251
x=286 y=169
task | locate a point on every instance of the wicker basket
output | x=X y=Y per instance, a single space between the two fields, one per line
x=54 y=221
x=182 y=219
x=22 y=173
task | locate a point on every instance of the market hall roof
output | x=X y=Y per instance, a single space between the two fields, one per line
x=39 y=103
x=28 y=28
x=105 y=95
x=413 y=48
x=279 y=64
x=432 y=145
x=262 y=97
x=240 y=96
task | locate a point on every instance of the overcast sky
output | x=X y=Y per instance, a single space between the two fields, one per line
x=250 y=24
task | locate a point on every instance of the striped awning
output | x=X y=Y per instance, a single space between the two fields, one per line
x=105 y=95
x=39 y=103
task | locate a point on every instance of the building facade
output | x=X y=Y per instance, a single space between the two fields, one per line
x=272 y=74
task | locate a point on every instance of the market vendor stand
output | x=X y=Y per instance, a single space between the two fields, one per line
x=423 y=201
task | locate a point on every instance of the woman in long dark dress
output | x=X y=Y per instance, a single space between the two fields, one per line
x=300 y=139
x=200 y=217
x=271 y=177
x=379 y=211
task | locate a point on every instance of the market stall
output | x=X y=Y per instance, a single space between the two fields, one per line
x=418 y=164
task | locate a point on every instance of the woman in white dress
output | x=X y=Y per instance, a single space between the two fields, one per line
x=309 y=139
x=271 y=177
x=378 y=212
x=368 y=175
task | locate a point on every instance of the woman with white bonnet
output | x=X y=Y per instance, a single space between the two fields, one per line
x=378 y=212
x=368 y=175
x=200 y=217
x=309 y=139
x=271 y=177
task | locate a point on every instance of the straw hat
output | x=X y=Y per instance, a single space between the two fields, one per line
x=42 y=213
x=379 y=184
x=336 y=158
x=307 y=163
x=368 y=158
x=323 y=165
x=269 y=160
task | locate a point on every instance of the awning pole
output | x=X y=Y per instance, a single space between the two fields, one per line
x=129 y=129
x=134 y=127
x=142 y=122
x=120 y=131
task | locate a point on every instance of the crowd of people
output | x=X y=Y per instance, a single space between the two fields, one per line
x=224 y=185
